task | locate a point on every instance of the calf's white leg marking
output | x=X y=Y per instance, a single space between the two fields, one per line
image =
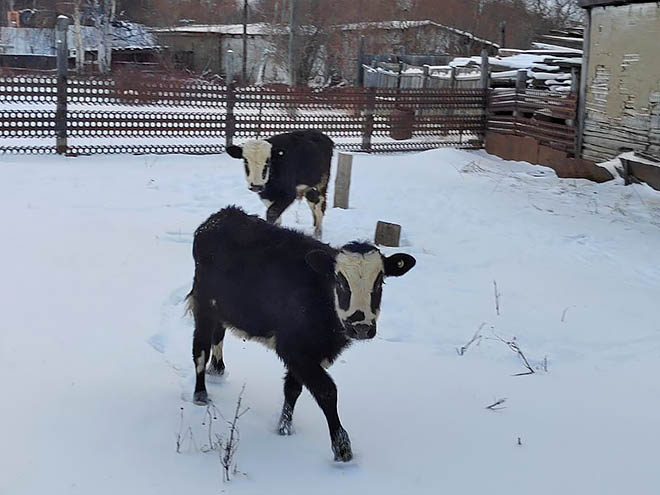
x=201 y=362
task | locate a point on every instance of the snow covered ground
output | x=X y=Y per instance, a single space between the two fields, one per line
x=95 y=348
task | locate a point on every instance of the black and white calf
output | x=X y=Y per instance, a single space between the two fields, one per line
x=294 y=294
x=287 y=166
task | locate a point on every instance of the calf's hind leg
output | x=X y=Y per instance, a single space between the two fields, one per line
x=201 y=350
x=292 y=389
x=316 y=202
x=217 y=366
x=321 y=386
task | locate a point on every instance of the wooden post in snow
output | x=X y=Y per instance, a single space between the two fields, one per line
x=387 y=234
x=343 y=180
x=62 y=76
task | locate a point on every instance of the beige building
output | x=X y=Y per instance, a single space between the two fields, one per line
x=204 y=48
x=620 y=87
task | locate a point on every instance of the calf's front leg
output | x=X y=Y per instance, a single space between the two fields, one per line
x=324 y=391
x=275 y=211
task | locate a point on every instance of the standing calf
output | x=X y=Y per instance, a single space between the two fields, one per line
x=298 y=296
x=286 y=166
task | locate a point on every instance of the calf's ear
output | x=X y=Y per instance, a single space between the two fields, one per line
x=320 y=261
x=235 y=151
x=398 y=264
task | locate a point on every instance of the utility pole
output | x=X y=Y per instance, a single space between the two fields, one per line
x=245 y=53
x=292 y=35
x=502 y=34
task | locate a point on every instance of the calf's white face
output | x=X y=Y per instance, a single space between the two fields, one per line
x=358 y=290
x=256 y=155
x=357 y=274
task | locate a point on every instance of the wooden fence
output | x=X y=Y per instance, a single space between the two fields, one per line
x=547 y=117
x=138 y=115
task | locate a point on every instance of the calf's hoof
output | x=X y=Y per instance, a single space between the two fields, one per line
x=201 y=398
x=341 y=446
x=214 y=370
x=285 y=429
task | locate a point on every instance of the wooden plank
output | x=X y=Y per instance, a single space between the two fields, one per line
x=343 y=180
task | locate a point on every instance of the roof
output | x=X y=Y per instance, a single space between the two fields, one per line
x=587 y=4
x=263 y=29
x=41 y=41
x=401 y=25
x=256 y=29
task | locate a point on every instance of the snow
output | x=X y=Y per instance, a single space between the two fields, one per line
x=95 y=348
x=556 y=48
x=522 y=61
x=254 y=29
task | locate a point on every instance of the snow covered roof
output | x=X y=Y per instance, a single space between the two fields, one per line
x=41 y=41
x=256 y=29
x=132 y=36
x=556 y=48
x=400 y=25
x=585 y=4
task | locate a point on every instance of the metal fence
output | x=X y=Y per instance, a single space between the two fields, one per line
x=404 y=76
x=137 y=115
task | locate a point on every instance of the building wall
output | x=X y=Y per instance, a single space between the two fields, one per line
x=206 y=52
x=264 y=63
x=623 y=81
x=197 y=52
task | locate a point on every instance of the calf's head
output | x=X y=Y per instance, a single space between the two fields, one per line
x=257 y=157
x=357 y=273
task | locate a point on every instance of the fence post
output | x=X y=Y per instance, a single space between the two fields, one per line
x=575 y=88
x=425 y=76
x=452 y=78
x=62 y=75
x=485 y=70
x=521 y=80
x=485 y=85
x=368 y=127
x=521 y=86
x=360 y=76
x=230 y=125
x=387 y=234
x=343 y=180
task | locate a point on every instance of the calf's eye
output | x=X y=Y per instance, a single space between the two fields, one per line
x=343 y=292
